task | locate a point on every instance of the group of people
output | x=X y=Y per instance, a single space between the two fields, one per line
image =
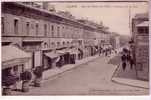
x=105 y=51
x=126 y=58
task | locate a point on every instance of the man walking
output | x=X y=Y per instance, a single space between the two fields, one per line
x=123 y=58
x=130 y=60
x=100 y=51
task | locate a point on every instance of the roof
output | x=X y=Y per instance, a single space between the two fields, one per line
x=49 y=13
x=143 y=24
x=11 y=52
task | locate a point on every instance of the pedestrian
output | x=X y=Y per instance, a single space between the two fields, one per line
x=123 y=58
x=100 y=51
x=131 y=61
x=103 y=51
x=115 y=51
x=106 y=52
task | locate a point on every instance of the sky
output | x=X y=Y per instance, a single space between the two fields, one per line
x=114 y=15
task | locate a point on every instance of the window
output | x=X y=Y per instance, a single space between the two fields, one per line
x=63 y=33
x=27 y=27
x=2 y=23
x=58 y=31
x=58 y=43
x=37 y=26
x=15 y=68
x=16 y=26
x=63 y=43
x=45 y=29
x=45 y=45
x=52 y=43
x=143 y=30
x=52 y=30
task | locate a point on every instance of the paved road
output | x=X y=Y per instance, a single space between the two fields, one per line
x=92 y=78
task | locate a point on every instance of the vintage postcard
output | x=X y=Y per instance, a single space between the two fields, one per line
x=75 y=48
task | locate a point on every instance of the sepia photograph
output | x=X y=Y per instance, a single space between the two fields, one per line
x=51 y=48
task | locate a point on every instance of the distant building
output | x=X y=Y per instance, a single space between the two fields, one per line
x=140 y=45
x=115 y=41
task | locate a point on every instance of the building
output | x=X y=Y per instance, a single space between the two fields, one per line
x=95 y=37
x=52 y=38
x=140 y=45
x=115 y=40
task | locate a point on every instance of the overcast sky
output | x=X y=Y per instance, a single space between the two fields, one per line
x=113 y=14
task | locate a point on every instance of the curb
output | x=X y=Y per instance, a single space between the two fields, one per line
x=122 y=83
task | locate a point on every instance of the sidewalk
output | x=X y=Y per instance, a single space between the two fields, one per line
x=50 y=74
x=128 y=77
x=53 y=73
x=47 y=75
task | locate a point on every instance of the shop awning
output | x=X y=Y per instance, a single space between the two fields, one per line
x=12 y=55
x=80 y=50
x=31 y=40
x=143 y=24
x=61 y=51
x=52 y=55
x=73 y=51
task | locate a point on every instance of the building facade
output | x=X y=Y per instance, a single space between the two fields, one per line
x=140 y=45
x=47 y=35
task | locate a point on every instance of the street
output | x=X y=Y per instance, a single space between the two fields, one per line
x=92 y=78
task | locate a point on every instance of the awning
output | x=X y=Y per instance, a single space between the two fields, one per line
x=8 y=41
x=73 y=51
x=52 y=55
x=80 y=50
x=143 y=24
x=61 y=51
x=12 y=55
x=31 y=40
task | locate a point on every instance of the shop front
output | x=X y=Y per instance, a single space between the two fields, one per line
x=14 y=62
x=50 y=59
x=80 y=54
x=73 y=55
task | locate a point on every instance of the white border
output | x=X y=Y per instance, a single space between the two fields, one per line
x=75 y=97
